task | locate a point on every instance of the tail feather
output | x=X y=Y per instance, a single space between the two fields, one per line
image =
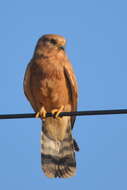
x=58 y=157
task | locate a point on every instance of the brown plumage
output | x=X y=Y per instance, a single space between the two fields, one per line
x=50 y=86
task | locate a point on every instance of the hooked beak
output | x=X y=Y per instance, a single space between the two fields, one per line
x=62 y=48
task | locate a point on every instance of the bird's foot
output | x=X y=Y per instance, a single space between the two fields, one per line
x=56 y=112
x=42 y=113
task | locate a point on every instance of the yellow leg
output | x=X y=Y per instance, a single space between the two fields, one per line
x=56 y=112
x=41 y=113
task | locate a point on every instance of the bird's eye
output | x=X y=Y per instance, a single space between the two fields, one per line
x=54 y=42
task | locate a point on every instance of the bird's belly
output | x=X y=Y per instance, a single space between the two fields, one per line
x=52 y=94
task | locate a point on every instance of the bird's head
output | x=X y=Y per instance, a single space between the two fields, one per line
x=50 y=44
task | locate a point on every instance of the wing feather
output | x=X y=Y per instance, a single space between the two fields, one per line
x=73 y=89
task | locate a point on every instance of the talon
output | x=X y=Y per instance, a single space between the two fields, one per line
x=37 y=115
x=41 y=113
x=56 y=112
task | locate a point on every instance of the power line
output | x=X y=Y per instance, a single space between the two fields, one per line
x=77 y=113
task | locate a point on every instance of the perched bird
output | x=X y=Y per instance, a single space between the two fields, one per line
x=50 y=86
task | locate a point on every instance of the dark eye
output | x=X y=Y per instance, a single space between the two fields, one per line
x=54 y=42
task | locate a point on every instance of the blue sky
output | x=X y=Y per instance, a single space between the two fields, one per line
x=97 y=44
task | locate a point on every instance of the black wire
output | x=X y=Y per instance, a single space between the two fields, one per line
x=77 y=113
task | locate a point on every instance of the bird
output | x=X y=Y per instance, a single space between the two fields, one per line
x=50 y=85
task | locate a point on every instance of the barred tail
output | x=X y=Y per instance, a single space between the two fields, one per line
x=58 y=157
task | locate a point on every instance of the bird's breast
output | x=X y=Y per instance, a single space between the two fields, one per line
x=49 y=86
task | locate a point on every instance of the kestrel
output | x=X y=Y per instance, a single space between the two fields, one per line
x=50 y=86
